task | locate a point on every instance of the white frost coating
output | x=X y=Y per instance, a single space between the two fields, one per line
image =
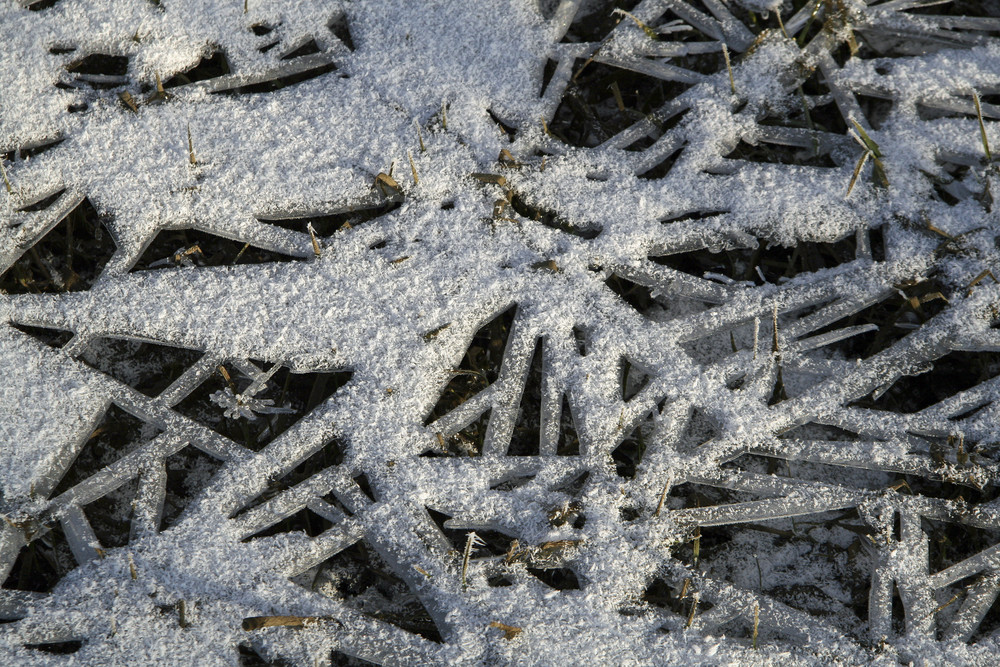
x=697 y=316
x=762 y=6
x=44 y=421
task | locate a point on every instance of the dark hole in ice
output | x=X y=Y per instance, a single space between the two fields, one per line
x=111 y=515
x=508 y=130
x=308 y=48
x=188 y=472
x=68 y=258
x=51 y=337
x=342 y=31
x=101 y=63
x=547 y=72
x=145 y=366
x=328 y=455
x=326 y=225
x=42 y=563
x=41 y=4
x=173 y=248
x=602 y=100
x=305 y=520
x=38 y=149
x=358 y=577
x=638 y=296
x=584 y=230
x=211 y=66
x=495 y=543
x=479 y=367
x=525 y=439
x=280 y=82
x=116 y=435
x=561 y=578
x=58 y=648
x=291 y=391
x=778 y=154
x=771 y=262
x=633 y=379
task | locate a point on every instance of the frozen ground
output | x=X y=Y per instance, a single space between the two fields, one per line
x=514 y=332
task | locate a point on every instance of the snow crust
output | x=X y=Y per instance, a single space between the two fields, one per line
x=422 y=95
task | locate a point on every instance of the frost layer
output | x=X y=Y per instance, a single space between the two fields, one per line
x=482 y=333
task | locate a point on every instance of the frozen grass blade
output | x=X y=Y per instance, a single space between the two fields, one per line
x=552 y=353
x=729 y=68
x=982 y=127
x=191 y=158
x=857 y=171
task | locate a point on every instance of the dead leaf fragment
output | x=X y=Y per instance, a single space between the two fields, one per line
x=495 y=179
x=509 y=631
x=388 y=186
x=547 y=265
x=258 y=622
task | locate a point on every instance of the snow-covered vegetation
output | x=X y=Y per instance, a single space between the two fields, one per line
x=536 y=332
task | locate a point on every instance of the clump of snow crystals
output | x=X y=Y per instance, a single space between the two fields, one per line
x=492 y=333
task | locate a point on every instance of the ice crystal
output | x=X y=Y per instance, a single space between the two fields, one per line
x=664 y=335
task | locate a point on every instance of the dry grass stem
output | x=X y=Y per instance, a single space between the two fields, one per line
x=652 y=34
x=729 y=68
x=495 y=179
x=388 y=186
x=258 y=622
x=616 y=91
x=663 y=497
x=509 y=631
x=695 y=597
x=982 y=127
x=756 y=623
x=128 y=101
x=756 y=336
x=413 y=169
x=191 y=157
x=315 y=243
x=6 y=181
x=857 y=171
